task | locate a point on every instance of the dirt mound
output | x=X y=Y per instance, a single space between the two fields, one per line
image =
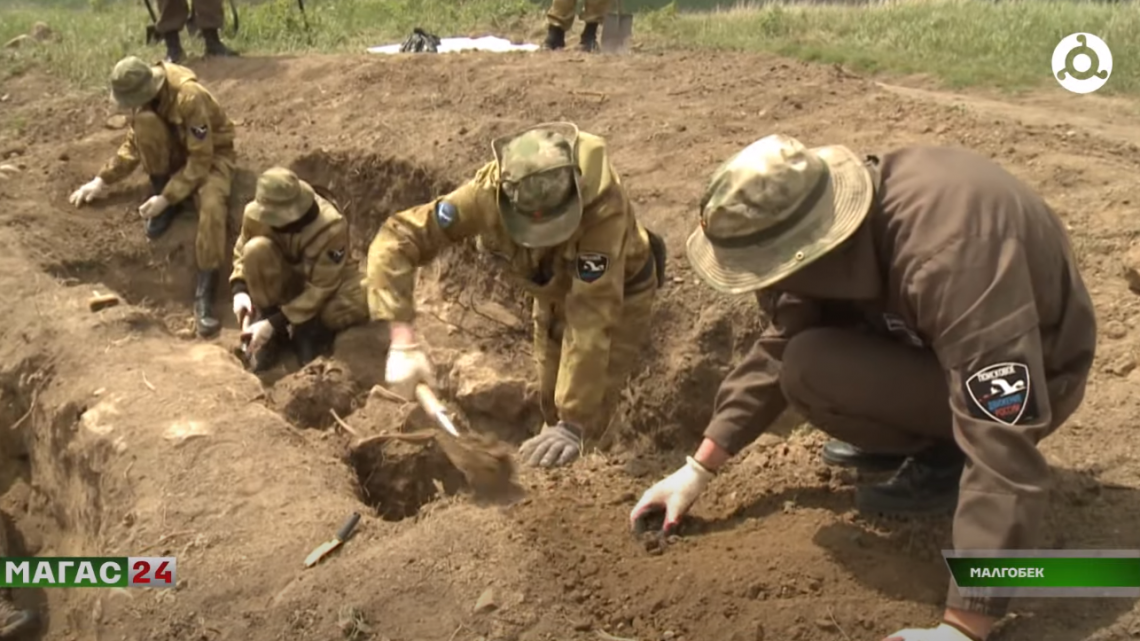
x=129 y=440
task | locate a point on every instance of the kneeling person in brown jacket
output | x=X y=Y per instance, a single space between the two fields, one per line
x=293 y=279
x=926 y=309
x=551 y=210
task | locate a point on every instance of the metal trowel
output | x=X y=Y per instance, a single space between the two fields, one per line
x=322 y=550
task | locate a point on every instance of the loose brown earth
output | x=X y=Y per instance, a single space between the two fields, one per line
x=133 y=437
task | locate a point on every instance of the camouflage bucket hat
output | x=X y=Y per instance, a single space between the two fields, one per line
x=135 y=83
x=540 y=202
x=282 y=198
x=774 y=208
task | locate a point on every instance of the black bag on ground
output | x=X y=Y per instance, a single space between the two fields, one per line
x=420 y=42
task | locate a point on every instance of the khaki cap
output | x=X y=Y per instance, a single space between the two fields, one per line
x=135 y=83
x=774 y=208
x=281 y=198
x=540 y=201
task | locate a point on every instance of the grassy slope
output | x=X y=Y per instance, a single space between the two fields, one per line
x=1004 y=44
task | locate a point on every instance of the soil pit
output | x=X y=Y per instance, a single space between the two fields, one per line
x=399 y=476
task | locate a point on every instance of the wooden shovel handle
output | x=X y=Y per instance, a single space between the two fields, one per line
x=429 y=400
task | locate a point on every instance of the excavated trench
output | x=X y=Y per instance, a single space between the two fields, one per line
x=468 y=312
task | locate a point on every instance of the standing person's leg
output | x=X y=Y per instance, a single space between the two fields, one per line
x=593 y=13
x=211 y=17
x=172 y=17
x=559 y=20
x=210 y=244
x=885 y=398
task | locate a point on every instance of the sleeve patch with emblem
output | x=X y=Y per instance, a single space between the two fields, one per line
x=199 y=132
x=592 y=266
x=445 y=214
x=336 y=255
x=1001 y=393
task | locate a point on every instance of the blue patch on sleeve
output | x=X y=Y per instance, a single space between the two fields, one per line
x=199 y=132
x=445 y=214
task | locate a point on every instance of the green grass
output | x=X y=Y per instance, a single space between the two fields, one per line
x=1006 y=44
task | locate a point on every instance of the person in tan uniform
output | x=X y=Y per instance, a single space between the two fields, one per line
x=13 y=621
x=926 y=306
x=293 y=279
x=560 y=18
x=209 y=16
x=552 y=210
x=185 y=143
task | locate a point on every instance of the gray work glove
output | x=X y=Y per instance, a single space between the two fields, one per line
x=555 y=446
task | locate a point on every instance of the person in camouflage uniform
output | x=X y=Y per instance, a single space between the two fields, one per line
x=293 y=276
x=553 y=212
x=560 y=18
x=185 y=143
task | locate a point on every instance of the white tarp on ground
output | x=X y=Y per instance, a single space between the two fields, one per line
x=451 y=45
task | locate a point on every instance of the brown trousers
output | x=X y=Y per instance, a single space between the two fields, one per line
x=872 y=392
x=160 y=155
x=272 y=282
x=561 y=13
x=173 y=14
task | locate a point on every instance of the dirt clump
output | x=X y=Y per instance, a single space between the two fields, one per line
x=308 y=397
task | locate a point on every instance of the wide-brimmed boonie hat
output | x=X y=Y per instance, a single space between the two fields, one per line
x=281 y=198
x=134 y=82
x=774 y=208
x=540 y=199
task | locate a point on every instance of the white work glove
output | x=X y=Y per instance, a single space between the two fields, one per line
x=243 y=306
x=154 y=206
x=259 y=335
x=88 y=192
x=941 y=633
x=675 y=494
x=407 y=366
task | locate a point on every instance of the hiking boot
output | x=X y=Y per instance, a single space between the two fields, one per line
x=215 y=46
x=174 y=52
x=310 y=340
x=926 y=483
x=12 y=620
x=208 y=323
x=158 y=225
x=841 y=454
x=555 y=39
x=589 y=41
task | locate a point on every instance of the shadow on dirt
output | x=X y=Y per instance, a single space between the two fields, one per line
x=902 y=560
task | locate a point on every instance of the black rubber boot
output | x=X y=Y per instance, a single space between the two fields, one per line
x=925 y=484
x=158 y=225
x=843 y=454
x=555 y=39
x=589 y=42
x=14 y=621
x=215 y=46
x=174 y=51
x=311 y=340
x=208 y=323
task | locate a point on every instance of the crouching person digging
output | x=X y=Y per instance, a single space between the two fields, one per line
x=926 y=309
x=293 y=280
x=185 y=143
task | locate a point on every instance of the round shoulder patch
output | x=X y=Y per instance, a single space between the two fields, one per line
x=445 y=214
